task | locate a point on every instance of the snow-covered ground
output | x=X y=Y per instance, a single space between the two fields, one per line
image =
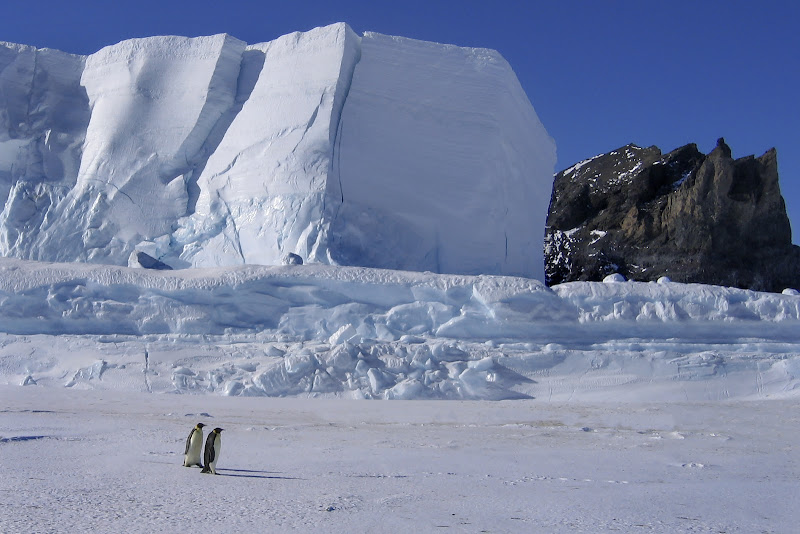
x=588 y=407
x=110 y=461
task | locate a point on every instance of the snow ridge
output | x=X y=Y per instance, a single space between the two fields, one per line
x=355 y=332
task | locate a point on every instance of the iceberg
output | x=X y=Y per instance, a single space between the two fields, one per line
x=345 y=149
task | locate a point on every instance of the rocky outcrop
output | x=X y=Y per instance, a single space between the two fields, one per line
x=292 y=259
x=145 y=261
x=692 y=217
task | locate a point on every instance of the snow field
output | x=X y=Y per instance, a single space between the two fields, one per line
x=89 y=461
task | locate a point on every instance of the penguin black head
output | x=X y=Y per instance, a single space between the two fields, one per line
x=200 y=425
x=218 y=430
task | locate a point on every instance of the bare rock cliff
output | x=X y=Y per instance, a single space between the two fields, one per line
x=692 y=217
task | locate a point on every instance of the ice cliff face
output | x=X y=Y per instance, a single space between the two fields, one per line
x=355 y=150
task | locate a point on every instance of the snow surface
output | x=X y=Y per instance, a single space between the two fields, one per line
x=207 y=152
x=103 y=461
x=588 y=407
x=354 y=332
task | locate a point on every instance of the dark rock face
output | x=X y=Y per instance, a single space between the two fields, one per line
x=689 y=216
x=292 y=259
x=149 y=262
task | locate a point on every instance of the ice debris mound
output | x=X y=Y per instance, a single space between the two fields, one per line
x=343 y=149
x=319 y=330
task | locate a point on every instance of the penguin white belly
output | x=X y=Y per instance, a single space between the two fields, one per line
x=195 y=449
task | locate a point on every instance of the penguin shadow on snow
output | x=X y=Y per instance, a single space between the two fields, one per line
x=250 y=473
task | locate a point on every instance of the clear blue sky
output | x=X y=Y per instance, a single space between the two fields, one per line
x=600 y=74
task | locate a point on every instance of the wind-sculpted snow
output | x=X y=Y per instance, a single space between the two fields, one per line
x=694 y=309
x=297 y=303
x=350 y=331
x=372 y=151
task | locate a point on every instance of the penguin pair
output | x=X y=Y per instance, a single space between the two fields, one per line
x=194 y=442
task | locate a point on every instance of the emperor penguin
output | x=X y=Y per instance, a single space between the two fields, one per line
x=213 y=443
x=194 y=446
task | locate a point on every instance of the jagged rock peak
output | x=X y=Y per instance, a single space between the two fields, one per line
x=694 y=217
x=724 y=147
